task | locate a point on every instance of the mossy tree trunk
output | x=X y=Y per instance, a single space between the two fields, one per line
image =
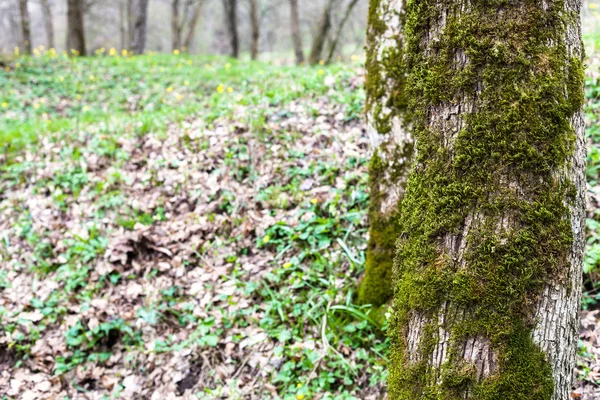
x=255 y=25
x=391 y=143
x=487 y=272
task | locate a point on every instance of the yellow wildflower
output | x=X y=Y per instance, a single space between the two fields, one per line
x=92 y=77
x=4 y=104
x=286 y=266
x=227 y=66
x=36 y=106
x=17 y=51
x=266 y=239
x=124 y=52
x=300 y=396
x=186 y=83
x=112 y=51
x=314 y=201
x=322 y=62
x=176 y=52
x=169 y=89
x=321 y=72
x=189 y=62
x=85 y=108
x=220 y=88
x=229 y=90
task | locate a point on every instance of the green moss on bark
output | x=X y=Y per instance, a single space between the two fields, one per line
x=386 y=100
x=506 y=67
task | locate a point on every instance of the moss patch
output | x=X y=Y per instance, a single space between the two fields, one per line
x=499 y=162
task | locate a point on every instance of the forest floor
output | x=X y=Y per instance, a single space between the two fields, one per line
x=192 y=227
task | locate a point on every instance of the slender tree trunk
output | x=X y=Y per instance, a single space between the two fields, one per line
x=255 y=28
x=338 y=34
x=189 y=39
x=130 y=18
x=321 y=34
x=75 y=27
x=25 y=26
x=487 y=271
x=230 y=7
x=391 y=145
x=175 y=26
x=123 y=24
x=296 y=35
x=139 y=10
x=47 y=13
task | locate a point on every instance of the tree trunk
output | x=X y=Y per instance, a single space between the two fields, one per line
x=75 y=28
x=321 y=34
x=25 y=26
x=47 y=13
x=338 y=34
x=230 y=7
x=129 y=23
x=296 y=35
x=255 y=28
x=189 y=39
x=175 y=26
x=139 y=9
x=391 y=145
x=487 y=271
x=123 y=24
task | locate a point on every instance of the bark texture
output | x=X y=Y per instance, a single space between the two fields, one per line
x=296 y=34
x=488 y=263
x=391 y=145
x=75 y=27
x=255 y=29
x=139 y=18
x=25 y=26
x=321 y=34
x=230 y=7
x=48 y=24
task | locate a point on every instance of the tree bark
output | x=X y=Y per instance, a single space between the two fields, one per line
x=25 y=26
x=321 y=34
x=47 y=13
x=255 y=29
x=391 y=143
x=296 y=35
x=175 y=26
x=75 y=28
x=340 y=29
x=139 y=9
x=487 y=271
x=230 y=7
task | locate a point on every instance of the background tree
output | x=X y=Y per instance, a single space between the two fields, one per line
x=25 y=26
x=139 y=18
x=321 y=33
x=488 y=263
x=75 y=27
x=230 y=8
x=183 y=26
x=48 y=23
x=296 y=35
x=340 y=28
x=255 y=29
x=391 y=145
